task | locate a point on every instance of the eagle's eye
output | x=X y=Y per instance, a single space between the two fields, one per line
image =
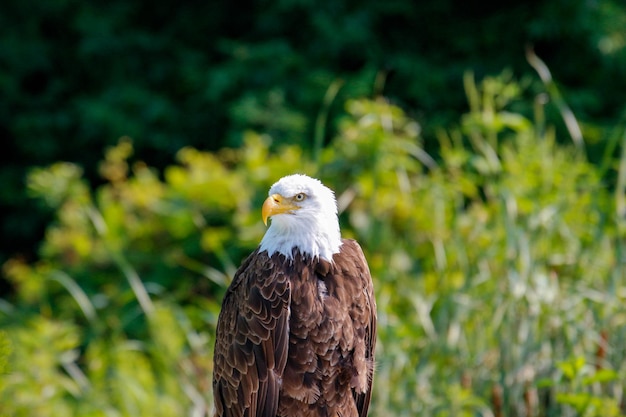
x=299 y=197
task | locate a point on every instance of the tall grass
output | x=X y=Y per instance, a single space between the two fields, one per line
x=499 y=273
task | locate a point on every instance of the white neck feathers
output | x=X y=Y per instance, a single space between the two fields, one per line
x=317 y=238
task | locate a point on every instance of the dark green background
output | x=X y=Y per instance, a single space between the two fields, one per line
x=75 y=76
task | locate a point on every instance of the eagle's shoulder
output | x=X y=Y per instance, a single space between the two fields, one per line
x=351 y=250
x=352 y=266
x=252 y=339
x=350 y=263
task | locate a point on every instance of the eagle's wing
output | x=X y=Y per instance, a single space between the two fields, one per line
x=364 y=316
x=251 y=341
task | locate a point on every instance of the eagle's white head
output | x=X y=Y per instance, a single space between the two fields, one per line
x=304 y=216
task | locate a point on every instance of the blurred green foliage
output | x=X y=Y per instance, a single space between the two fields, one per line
x=498 y=266
x=76 y=76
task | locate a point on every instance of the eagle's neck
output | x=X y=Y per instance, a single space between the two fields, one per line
x=312 y=236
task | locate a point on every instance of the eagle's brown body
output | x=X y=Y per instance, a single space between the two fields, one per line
x=296 y=337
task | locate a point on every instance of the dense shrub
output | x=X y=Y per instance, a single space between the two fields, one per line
x=498 y=268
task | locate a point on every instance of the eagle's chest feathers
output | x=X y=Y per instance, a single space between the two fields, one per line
x=321 y=339
x=319 y=305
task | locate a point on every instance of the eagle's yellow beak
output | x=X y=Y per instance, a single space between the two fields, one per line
x=276 y=204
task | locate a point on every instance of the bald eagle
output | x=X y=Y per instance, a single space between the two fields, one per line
x=297 y=329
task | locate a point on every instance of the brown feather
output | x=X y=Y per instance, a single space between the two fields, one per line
x=296 y=337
